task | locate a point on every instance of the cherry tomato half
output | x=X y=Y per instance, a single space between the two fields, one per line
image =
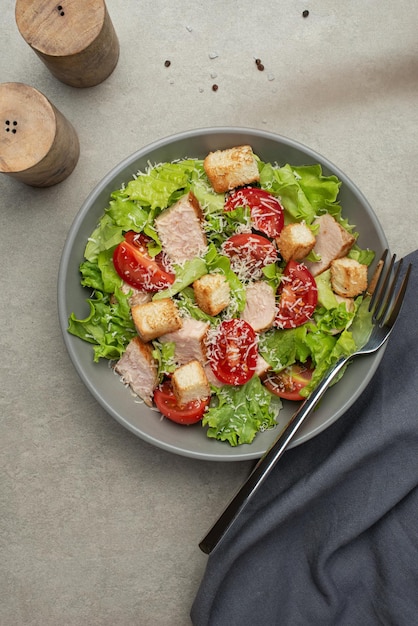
x=249 y=253
x=288 y=383
x=133 y=263
x=232 y=353
x=166 y=403
x=266 y=211
x=298 y=296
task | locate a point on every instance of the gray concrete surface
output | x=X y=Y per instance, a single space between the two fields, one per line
x=97 y=527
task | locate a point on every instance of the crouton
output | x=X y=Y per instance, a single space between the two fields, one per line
x=156 y=318
x=189 y=382
x=212 y=293
x=234 y=167
x=295 y=241
x=348 y=277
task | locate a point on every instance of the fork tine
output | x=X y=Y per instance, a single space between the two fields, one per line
x=399 y=298
x=377 y=288
x=388 y=289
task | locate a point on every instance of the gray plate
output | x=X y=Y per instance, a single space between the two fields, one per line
x=105 y=385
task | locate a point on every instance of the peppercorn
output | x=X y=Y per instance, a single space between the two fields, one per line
x=215 y=87
x=167 y=63
x=305 y=13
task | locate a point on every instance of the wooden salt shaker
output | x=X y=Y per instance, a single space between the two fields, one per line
x=75 y=38
x=38 y=145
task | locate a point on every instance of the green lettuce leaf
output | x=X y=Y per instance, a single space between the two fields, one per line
x=219 y=263
x=105 y=236
x=164 y=353
x=186 y=274
x=156 y=187
x=108 y=326
x=325 y=351
x=281 y=348
x=304 y=192
x=237 y=414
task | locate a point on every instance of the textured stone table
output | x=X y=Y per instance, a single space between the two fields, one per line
x=98 y=528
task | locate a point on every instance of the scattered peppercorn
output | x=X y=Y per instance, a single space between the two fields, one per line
x=167 y=63
x=258 y=61
x=305 y=13
x=260 y=67
x=215 y=87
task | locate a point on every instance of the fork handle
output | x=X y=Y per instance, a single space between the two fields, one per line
x=267 y=462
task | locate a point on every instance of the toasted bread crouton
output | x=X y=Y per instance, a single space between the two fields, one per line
x=234 y=167
x=295 y=241
x=212 y=293
x=348 y=277
x=190 y=383
x=138 y=369
x=156 y=318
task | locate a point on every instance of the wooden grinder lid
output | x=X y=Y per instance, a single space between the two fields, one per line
x=75 y=39
x=38 y=145
x=27 y=128
x=60 y=30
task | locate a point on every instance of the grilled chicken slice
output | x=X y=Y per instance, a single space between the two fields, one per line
x=332 y=242
x=180 y=230
x=138 y=369
x=189 y=341
x=260 y=307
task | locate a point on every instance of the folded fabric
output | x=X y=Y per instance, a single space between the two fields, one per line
x=331 y=538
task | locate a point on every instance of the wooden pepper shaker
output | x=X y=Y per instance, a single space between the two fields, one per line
x=75 y=38
x=38 y=145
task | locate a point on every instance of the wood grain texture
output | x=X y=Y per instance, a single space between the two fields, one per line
x=38 y=145
x=75 y=39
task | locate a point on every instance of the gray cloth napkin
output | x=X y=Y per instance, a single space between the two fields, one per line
x=332 y=536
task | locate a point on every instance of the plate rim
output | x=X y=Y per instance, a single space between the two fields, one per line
x=101 y=186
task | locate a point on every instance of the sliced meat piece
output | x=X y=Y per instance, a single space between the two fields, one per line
x=262 y=367
x=138 y=369
x=332 y=242
x=212 y=380
x=180 y=230
x=260 y=307
x=189 y=340
x=137 y=296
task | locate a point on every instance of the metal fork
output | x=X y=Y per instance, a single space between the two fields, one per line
x=385 y=305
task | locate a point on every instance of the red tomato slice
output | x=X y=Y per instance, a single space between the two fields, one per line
x=249 y=253
x=166 y=403
x=232 y=353
x=266 y=211
x=133 y=263
x=298 y=296
x=288 y=383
